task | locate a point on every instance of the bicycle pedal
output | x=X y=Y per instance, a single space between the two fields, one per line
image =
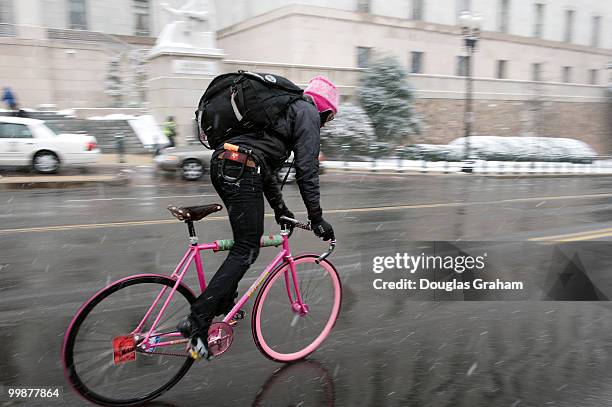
x=196 y=356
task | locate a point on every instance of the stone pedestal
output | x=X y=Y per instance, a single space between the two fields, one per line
x=178 y=77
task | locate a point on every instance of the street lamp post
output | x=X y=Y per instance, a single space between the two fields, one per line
x=470 y=29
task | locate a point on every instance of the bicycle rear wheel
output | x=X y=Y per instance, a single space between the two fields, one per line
x=90 y=345
x=282 y=331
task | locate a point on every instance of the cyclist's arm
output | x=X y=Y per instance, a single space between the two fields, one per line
x=307 y=137
x=272 y=191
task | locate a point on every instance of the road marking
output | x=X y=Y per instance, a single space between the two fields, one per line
x=144 y=198
x=330 y=211
x=577 y=236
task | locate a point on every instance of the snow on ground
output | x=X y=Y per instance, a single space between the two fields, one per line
x=115 y=116
x=494 y=148
x=67 y=112
x=479 y=166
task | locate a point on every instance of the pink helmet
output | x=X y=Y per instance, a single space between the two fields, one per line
x=324 y=93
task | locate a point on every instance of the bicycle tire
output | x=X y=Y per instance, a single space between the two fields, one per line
x=70 y=370
x=258 y=335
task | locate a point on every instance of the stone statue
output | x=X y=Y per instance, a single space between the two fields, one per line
x=193 y=27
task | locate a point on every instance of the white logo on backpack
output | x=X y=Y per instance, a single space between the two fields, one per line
x=270 y=78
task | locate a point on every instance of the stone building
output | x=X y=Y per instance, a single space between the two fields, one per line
x=540 y=65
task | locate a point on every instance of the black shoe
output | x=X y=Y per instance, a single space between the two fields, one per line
x=198 y=348
x=198 y=344
x=187 y=327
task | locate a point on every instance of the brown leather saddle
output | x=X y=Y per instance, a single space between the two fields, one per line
x=194 y=213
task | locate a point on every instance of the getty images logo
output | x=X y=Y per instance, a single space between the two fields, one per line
x=411 y=263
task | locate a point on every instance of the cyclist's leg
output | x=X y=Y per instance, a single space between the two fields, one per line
x=244 y=203
x=228 y=302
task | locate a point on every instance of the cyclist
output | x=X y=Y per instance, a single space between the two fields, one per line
x=242 y=181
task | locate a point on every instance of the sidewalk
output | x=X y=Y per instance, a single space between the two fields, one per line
x=108 y=170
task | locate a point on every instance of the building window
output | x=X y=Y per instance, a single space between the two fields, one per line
x=502 y=66
x=463 y=5
x=536 y=72
x=363 y=56
x=462 y=66
x=416 y=62
x=538 y=27
x=593 y=76
x=6 y=12
x=566 y=74
x=77 y=14
x=142 y=20
x=417 y=9
x=504 y=15
x=363 y=6
x=595 y=33
x=569 y=26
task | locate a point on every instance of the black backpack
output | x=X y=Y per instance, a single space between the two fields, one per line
x=242 y=102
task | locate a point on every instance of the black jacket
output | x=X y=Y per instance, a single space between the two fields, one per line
x=298 y=131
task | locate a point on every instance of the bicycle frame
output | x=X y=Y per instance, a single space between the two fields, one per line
x=193 y=255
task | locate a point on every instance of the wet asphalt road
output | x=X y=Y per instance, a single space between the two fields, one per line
x=57 y=247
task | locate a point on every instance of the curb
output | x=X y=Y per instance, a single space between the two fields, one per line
x=567 y=175
x=473 y=174
x=8 y=183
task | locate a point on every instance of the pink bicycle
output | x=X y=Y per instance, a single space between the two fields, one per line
x=122 y=347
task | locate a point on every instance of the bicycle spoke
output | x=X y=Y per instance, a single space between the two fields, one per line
x=93 y=369
x=81 y=351
x=95 y=359
x=167 y=318
x=98 y=340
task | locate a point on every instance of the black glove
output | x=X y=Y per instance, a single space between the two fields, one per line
x=283 y=211
x=323 y=229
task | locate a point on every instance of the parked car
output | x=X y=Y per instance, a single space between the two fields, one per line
x=191 y=162
x=280 y=175
x=33 y=143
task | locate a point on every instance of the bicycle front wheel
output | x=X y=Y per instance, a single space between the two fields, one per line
x=102 y=358
x=286 y=331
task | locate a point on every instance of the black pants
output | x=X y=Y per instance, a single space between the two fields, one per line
x=243 y=200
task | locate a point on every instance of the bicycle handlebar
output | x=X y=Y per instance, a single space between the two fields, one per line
x=297 y=223
x=306 y=226
x=332 y=247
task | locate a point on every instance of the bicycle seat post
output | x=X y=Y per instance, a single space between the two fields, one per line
x=193 y=239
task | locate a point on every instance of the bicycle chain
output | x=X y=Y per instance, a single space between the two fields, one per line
x=164 y=353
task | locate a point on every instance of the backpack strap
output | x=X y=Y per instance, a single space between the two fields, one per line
x=235 y=107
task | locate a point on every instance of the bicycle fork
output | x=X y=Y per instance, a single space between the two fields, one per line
x=297 y=304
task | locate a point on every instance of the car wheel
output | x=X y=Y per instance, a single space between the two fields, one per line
x=46 y=162
x=192 y=169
